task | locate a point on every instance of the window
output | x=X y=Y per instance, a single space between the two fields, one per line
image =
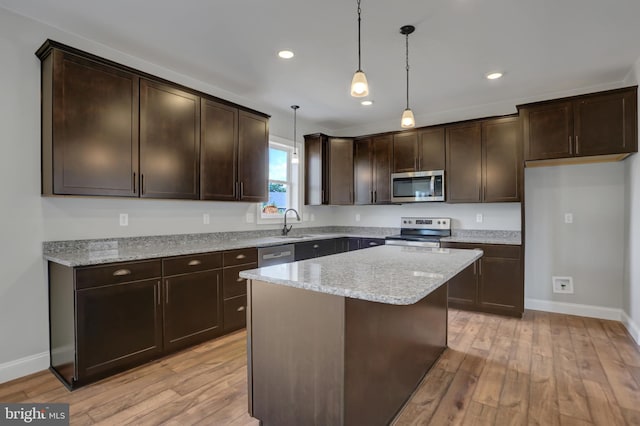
x=282 y=183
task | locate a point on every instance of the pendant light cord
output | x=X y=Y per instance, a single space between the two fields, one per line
x=407 y=59
x=295 y=120
x=359 y=53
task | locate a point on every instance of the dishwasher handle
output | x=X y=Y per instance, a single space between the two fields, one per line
x=276 y=255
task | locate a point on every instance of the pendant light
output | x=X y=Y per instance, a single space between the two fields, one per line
x=359 y=85
x=408 y=121
x=294 y=156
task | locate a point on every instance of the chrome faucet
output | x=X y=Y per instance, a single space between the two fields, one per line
x=285 y=229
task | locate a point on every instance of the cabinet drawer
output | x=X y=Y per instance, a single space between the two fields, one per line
x=114 y=273
x=371 y=242
x=232 y=284
x=235 y=313
x=191 y=263
x=240 y=257
x=490 y=250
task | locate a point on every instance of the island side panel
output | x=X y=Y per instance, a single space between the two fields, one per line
x=389 y=349
x=296 y=356
x=62 y=336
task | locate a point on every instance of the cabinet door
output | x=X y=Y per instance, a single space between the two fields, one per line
x=253 y=157
x=405 y=152
x=340 y=165
x=464 y=286
x=311 y=249
x=463 y=179
x=382 y=147
x=192 y=308
x=314 y=176
x=232 y=283
x=431 y=149
x=118 y=326
x=606 y=124
x=362 y=172
x=501 y=160
x=169 y=142
x=342 y=245
x=548 y=131
x=500 y=285
x=93 y=139
x=218 y=151
x=354 y=243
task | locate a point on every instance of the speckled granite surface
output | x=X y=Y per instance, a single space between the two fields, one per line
x=484 y=237
x=94 y=252
x=387 y=274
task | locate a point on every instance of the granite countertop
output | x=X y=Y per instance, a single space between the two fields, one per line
x=387 y=274
x=100 y=251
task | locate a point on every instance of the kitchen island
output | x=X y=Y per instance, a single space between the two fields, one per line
x=345 y=339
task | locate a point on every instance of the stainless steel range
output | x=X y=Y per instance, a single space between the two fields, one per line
x=421 y=231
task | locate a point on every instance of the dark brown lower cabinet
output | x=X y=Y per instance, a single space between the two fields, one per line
x=494 y=283
x=362 y=243
x=235 y=287
x=192 y=300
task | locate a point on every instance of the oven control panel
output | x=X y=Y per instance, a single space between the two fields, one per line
x=425 y=223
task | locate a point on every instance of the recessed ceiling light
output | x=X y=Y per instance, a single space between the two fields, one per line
x=494 y=75
x=285 y=54
x=366 y=103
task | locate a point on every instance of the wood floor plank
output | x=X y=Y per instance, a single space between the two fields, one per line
x=493 y=372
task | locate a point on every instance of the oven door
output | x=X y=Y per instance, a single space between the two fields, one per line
x=417 y=186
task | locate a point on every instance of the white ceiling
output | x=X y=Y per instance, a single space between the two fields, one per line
x=543 y=46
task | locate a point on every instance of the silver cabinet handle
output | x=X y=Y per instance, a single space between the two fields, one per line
x=240 y=256
x=194 y=262
x=240 y=309
x=371 y=243
x=239 y=279
x=121 y=272
x=315 y=246
x=276 y=255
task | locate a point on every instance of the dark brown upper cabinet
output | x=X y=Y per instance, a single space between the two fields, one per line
x=234 y=154
x=484 y=161
x=596 y=124
x=328 y=170
x=372 y=170
x=89 y=127
x=169 y=142
x=421 y=150
x=108 y=129
x=253 y=157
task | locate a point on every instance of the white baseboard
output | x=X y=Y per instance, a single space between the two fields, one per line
x=24 y=366
x=632 y=327
x=591 y=311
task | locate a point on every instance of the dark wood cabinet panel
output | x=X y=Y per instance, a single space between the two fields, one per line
x=589 y=125
x=342 y=245
x=464 y=163
x=340 y=164
x=235 y=313
x=253 y=157
x=218 y=151
x=311 y=249
x=548 y=131
x=495 y=283
x=405 y=152
x=362 y=172
x=431 y=149
x=606 y=124
x=89 y=128
x=501 y=160
x=118 y=326
x=169 y=142
x=382 y=147
x=192 y=308
x=315 y=170
x=371 y=242
x=232 y=284
x=463 y=287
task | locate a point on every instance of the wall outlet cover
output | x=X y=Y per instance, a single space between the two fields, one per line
x=206 y=219
x=479 y=218
x=124 y=219
x=357 y=217
x=568 y=218
x=562 y=285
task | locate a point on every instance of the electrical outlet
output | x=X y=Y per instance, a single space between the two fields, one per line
x=206 y=219
x=124 y=219
x=562 y=284
x=568 y=218
x=357 y=217
x=479 y=218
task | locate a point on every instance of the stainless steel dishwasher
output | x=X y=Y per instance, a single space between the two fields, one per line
x=276 y=255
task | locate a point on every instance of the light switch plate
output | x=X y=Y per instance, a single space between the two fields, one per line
x=568 y=218
x=124 y=219
x=206 y=219
x=479 y=218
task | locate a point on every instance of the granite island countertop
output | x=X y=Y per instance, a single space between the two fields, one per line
x=387 y=274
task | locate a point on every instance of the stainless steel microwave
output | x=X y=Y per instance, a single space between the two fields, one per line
x=414 y=187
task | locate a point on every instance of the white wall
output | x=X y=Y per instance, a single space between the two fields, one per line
x=27 y=219
x=591 y=249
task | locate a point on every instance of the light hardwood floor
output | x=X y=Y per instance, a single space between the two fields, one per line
x=546 y=369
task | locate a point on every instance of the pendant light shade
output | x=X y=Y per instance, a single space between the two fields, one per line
x=407 y=121
x=359 y=85
x=294 y=156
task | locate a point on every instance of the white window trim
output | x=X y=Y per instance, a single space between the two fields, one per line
x=295 y=182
